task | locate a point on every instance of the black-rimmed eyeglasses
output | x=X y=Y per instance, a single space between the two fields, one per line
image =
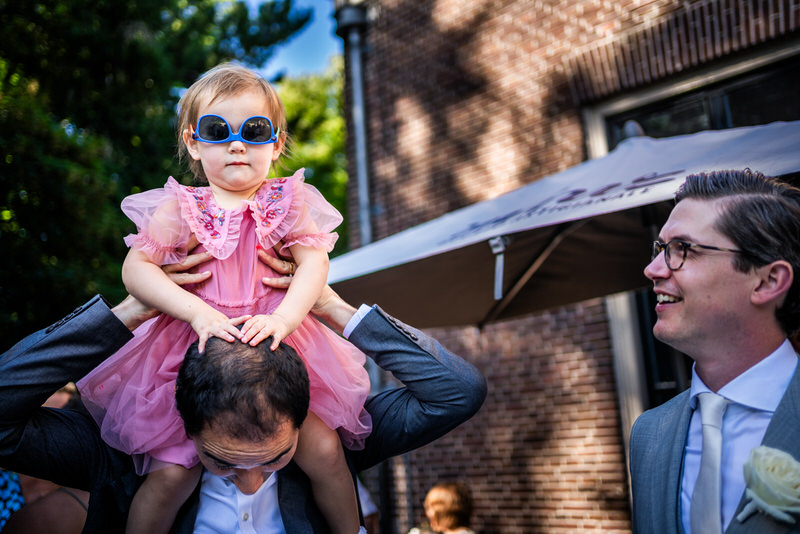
x=675 y=251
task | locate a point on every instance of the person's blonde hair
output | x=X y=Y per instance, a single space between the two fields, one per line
x=449 y=505
x=225 y=80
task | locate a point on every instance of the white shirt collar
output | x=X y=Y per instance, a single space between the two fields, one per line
x=761 y=387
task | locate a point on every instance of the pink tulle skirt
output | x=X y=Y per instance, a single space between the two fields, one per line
x=132 y=394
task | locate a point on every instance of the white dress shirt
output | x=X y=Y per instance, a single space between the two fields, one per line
x=367 y=505
x=225 y=509
x=754 y=395
x=222 y=505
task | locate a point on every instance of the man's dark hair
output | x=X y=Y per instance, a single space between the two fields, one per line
x=762 y=217
x=243 y=391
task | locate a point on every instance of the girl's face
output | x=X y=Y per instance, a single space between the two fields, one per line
x=235 y=170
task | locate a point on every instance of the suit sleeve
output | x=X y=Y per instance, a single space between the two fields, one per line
x=59 y=445
x=440 y=390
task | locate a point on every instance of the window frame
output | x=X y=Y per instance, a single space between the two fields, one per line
x=594 y=117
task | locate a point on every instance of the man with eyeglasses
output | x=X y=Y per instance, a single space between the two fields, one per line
x=726 y=274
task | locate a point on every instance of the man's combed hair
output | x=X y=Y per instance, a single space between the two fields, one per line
x=762 y=218
x=241 y=390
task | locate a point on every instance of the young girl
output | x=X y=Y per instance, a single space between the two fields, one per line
x=232 y=127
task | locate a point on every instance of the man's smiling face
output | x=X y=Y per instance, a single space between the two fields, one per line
x=706 y=299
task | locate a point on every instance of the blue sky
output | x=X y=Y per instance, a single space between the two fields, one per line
x=309 y=51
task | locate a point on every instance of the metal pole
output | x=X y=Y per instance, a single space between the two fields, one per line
x=360 y=131
x=352 y=20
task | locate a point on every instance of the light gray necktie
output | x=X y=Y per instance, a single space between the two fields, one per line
x=706 y=515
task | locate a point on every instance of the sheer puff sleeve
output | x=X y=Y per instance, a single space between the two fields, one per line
x=301 y=217
x=162 y=233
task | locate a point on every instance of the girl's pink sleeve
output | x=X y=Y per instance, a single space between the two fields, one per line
x=162 y=233
x=315 y=219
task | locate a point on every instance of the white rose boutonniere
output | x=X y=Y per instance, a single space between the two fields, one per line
x=772 y=477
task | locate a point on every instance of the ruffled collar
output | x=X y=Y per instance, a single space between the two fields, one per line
x=218 y=229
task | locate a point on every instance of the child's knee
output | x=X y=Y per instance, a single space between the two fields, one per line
x=329 y=448
x=320 y=447
x=174 y=479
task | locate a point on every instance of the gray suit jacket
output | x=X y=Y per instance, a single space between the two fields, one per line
x=657 y=443
x=440 y=392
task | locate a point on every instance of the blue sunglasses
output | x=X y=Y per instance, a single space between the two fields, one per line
x=255 y=131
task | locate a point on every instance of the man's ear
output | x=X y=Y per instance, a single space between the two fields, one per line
x=191 y=144
x=775 y=279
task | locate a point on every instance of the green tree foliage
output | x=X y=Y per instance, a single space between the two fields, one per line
x=112 y=66
x=57 y=226
x=88 y=90
x=317 y=128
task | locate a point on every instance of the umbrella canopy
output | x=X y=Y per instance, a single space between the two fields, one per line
x=581 y=233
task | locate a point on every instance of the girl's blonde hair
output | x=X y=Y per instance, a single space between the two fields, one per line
x=449 y=505
x=225 y=80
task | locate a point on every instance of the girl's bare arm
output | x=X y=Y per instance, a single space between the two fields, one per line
x=150 y=284
x=310 y=277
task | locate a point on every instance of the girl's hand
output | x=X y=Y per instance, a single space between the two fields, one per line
x=260 y=327
x=209 y=322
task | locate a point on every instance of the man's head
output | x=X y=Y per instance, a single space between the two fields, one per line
x=734 y=249
x=243 y=407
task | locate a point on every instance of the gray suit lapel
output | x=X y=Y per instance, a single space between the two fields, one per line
x=782 y=433
x=661 y=466
x=678 y=426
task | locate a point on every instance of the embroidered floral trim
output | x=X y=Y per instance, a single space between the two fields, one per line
x=266 y=202
x=207 y=217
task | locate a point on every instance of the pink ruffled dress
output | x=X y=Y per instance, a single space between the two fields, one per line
x=132 y=394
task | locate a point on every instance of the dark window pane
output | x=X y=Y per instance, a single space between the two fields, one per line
x=667 y=371
x=675 y=117
x=758 y=97
x=769 y=99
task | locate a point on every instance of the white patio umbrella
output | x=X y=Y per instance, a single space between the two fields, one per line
x=581 y=233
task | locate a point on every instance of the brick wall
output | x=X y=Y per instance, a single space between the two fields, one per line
x=679 y=39
x=469 y=99
x=544 y=454
x=460 y=107
x=465 y=102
